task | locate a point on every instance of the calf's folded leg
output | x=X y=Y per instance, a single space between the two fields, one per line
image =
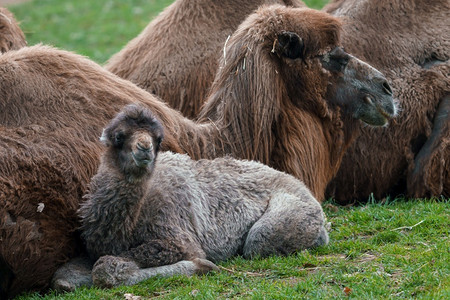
x=290 y=223
x=110 y=271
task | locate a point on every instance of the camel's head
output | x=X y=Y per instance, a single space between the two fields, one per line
x=11 y=36
x=282 y=71
x=133 y=138
x=359 y=88
x=314 y=67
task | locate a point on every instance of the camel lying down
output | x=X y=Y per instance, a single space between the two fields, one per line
x=147 y=214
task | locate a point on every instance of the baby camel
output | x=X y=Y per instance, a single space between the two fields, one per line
x=146 y=216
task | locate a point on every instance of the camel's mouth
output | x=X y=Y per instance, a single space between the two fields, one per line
x=377 y=113
x=141 y=160
x=384 y=113
x=380 y=109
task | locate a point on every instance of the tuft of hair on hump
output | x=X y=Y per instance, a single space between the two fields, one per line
x=131 y=118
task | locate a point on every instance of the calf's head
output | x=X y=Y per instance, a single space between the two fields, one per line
x=133 y=139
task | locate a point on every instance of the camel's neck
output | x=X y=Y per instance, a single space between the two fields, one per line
x=122 y=199
x=182 y=135
x=216 y=138
x=205 y=139
x=312 y=149
x=111 y=211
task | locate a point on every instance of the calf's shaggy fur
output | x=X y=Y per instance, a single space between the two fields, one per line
x=409 y=41
x=286 y=95
x=146 y=210
x=177 y=54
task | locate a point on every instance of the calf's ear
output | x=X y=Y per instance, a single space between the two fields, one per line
x=289 y=44
x=104 y=138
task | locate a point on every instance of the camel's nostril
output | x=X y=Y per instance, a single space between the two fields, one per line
x=143 y=148
x=387 y=88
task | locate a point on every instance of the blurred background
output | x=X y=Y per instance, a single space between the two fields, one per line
x=95 y=28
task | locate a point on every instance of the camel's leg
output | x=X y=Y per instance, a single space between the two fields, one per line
x=6 y=277
x=157 y=252
x=110 y=271
x=73 y=274
x=430 y=174
x=156 y=257
x=290 y=223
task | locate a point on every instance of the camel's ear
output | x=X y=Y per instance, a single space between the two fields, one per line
x=104 y=139
x=117 y=140
x=290 y=45
x=159 y=140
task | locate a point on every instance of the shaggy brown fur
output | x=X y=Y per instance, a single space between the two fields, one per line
x=409 y=40
x=53 y=107
x=40 y=187
x=177 y=54
x=288 y=113
x=11 y=36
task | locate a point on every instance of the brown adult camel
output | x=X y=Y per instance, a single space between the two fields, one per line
x=409 y=41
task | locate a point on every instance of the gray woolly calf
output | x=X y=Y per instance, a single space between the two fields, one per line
x=150 y=214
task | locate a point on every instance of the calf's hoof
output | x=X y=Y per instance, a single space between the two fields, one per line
x=204 y=266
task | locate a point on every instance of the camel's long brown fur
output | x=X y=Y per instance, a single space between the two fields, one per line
x=409 y=41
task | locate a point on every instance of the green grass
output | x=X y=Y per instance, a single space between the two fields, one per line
x=317 y=4
x=372 y=252
x=377 y=251
x=95 y=28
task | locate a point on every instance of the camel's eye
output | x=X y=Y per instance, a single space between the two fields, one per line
x=158 y=140
x=336 y=60
x=339 y=56
x=119 y=138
